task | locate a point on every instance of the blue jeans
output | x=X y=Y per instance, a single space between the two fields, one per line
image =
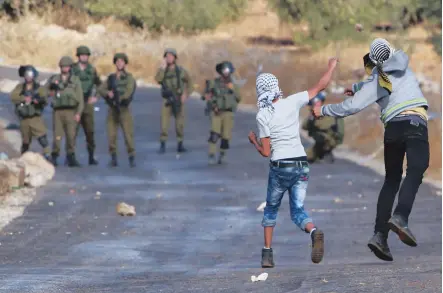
x=295 y=181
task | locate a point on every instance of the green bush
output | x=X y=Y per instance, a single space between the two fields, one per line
x=173 y=15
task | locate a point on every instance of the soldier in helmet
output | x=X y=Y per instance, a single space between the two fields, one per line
x=90 y=80
x=176 y=87
x=224 y=97
x=327 y=132
x=29 y=100
x=65 y=89
x=118 y=91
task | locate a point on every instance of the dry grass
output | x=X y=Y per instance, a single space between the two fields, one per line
x=40 y=41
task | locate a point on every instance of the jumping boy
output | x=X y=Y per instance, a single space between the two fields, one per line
x=278 y=124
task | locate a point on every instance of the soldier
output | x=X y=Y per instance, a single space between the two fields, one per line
x=29 y=100
x=224 y=97
x=89 y=80
x=327 y=132
x=118 y=91
x=176 y=87
x=67 y=102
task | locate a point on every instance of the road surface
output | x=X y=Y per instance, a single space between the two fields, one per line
x=197 y=228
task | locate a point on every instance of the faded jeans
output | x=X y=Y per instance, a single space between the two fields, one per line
x=295 y=181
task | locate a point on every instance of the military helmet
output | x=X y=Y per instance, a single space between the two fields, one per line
x=222 y=65
x=23 y=69
x=121 y=56
x=172 y=51
x=65 y=61
x=83 y=50
x=320 y=97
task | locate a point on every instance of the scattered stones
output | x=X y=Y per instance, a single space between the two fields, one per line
x=338 y=200
x=51 y=204
x=98 y=193
x=159 y=195
x=261 y=277
x=124 y=209
x=350 y=183
x=438 y=192
x=38 y=170
x=328 y=176
x=360 y=195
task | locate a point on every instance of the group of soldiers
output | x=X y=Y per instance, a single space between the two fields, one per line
x=75 y=90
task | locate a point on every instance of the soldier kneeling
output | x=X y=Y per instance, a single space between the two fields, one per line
x=29 y=100
x=327 y=132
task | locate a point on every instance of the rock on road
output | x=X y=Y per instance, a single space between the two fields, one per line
x=197 y=228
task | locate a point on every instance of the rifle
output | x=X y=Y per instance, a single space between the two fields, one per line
x=208 y=107
x=115 y=102
x=171 y=99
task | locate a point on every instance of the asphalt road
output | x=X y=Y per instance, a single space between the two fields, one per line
x=197 y=228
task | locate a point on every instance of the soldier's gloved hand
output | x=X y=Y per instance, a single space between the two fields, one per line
x=316 y=111
x=110 y=94
x=77 y=118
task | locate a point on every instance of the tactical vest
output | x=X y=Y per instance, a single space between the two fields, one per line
x=25 y=110
x=173 y=80
x=65 y=97
x=86 y=78
x=223 y=97
x=122 y=83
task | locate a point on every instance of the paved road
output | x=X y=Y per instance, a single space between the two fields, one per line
x=197 y=228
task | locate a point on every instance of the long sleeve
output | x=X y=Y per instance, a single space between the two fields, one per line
x=237 y=93
x=97 y=80
x=369 y=93
x=160 y=75
x=130 y=89
x=79 y=96
x=103 y=89
x=16 y=96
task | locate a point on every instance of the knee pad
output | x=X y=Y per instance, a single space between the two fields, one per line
x=25 y=147
x=224 y=144
x=213 y=137
x=43 y=140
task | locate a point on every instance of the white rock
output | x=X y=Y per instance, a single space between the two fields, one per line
x=37 y=169
x=261 y=277
x=96 y=29
x=261 y=207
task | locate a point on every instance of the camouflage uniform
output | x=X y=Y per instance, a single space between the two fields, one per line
x=30 y=114
x=225 y=97
x=119 y=114
x=89 y=80
x=67 y=102
x=327 y=133
x=176 y=81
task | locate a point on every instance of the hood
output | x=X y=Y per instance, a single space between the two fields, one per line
x=398 y=62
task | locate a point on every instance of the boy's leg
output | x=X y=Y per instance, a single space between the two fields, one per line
x=297 y=194
x=273 y=201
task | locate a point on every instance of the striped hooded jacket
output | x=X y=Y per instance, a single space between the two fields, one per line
x=406 y=93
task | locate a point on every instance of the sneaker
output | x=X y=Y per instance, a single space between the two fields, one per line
x=378 y=244
x=400 y=226
x=267 y=258
x=317 y=238
x=212 y=160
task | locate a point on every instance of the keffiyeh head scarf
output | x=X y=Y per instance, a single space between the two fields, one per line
x=380 y=51
x=267 y=90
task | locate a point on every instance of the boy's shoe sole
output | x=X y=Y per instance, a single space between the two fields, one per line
x=378 y=252
x=404 y=237
x=317 y=246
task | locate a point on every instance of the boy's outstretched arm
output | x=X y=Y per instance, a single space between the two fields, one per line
x=264 y=147
x=324 y=80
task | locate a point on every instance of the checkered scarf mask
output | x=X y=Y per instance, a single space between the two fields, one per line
x=267 y=90
x=379 y=52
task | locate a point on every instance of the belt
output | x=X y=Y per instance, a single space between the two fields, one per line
x=287 y=164
x=414 y=119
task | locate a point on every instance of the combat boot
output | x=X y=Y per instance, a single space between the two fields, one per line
x=379 y=246
x=162 y=149
x=113 y=162
x=92 y=160
x=132 y=161
x=54 y=160
x=221 y=158
x=72 y=161
x=181 y=148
